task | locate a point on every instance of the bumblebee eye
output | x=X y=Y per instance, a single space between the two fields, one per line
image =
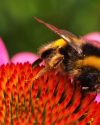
x=46 y=53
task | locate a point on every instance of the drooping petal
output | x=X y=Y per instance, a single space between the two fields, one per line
x=4 y=57
x=93 y=36
x=24 y=57
x=97 y=98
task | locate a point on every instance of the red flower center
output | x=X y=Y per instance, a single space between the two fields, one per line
x=49 y=100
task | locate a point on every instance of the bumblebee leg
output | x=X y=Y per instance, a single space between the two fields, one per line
x=85 y=91
x=36 y=63
x=41 y=73
x=54 y=63
x=94 y=97
x=85 y=88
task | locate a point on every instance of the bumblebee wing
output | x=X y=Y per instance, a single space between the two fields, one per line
x=69 y=33
x=74 y=42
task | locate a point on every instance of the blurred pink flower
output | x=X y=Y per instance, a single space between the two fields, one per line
x=24 y=57
x=19 y=57
x=4 y=57
x=93 y=36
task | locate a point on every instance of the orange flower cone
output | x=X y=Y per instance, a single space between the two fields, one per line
x=49 y=100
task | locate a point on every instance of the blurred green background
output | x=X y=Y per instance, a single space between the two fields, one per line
x=21 y=32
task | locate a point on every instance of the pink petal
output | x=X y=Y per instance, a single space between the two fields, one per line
x=97 y=98
x=4 y=57
x=24 y=57
x=93 y=36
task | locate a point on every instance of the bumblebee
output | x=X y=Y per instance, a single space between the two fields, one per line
x=81 y=60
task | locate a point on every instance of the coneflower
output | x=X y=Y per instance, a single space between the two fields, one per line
x=49 y=100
